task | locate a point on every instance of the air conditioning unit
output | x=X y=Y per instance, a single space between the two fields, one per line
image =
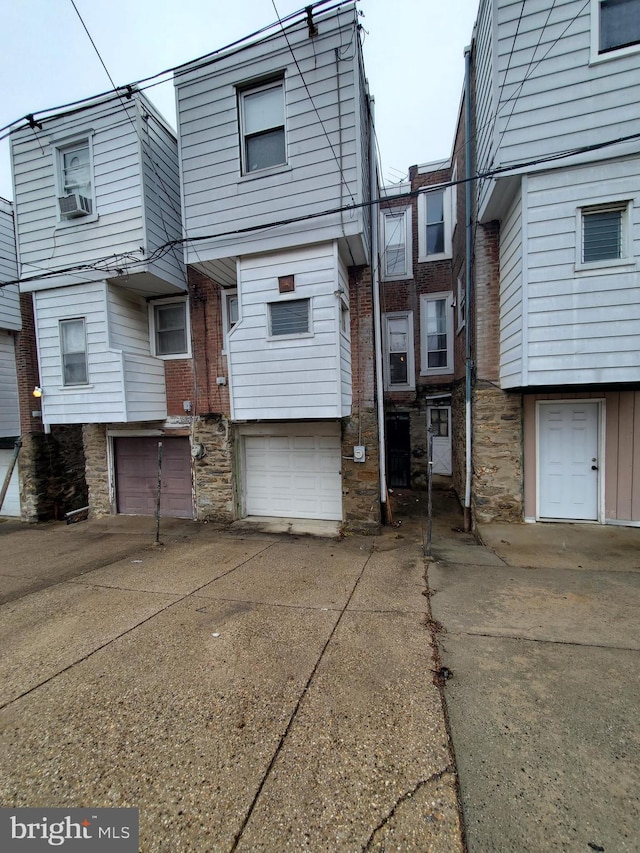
x=74 y=204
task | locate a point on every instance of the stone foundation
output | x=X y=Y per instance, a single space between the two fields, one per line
x=94 y=437
x=497 y=455
x=214 y=472
x=52 y=473
x=361 y=481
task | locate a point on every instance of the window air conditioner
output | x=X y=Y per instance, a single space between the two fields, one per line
x=74 y=204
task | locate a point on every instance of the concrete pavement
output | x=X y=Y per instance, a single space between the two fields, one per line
x=245 y=691
x=541 y=631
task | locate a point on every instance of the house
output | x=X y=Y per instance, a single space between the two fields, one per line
x=276 y=179
x=556 y=247
x=10 y=324
x=423 y=321
x=97 y=208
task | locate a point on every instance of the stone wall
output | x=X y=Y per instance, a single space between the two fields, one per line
x=52 y=473
x=214 y=472
x=361 y=481
x=94 y=438
x=497 y=455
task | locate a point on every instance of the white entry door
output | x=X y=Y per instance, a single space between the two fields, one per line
x=568 y=464
x=439 y=419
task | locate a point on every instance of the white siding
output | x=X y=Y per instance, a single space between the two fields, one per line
x=551 y=95
x=485 y=92
x=345 y=345
x=511 y=284
x=128 y=321
x=583 y=326
x=161 y=183
x=298 y=377
x=9 y=297
x=11 y=505
x=9 y=407
x=324 y=157
x=115 y=392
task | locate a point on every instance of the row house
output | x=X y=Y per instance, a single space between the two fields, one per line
x=213 y=297
x=554 y=118
x=10 y=325
x=423 y=317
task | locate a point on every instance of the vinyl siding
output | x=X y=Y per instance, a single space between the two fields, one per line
x=297 y=377
x=9 y=297
x=123 y=385
x=485 y=93
x=346 y=388
x=511 y=296
x=551 y=95
x=128 y=321
x=324 y=157
x=582 y=325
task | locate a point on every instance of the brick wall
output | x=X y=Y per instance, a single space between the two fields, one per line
x=207 y=344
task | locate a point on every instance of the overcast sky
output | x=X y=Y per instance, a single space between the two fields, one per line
x=413 y=59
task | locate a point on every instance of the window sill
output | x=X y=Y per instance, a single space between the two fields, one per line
x=406 y=277
x=615 y=53
x=265 y=173
x=173 y=357
x=294 y=337
x=441 y=256
x=72 y=388
x=437 y=371
x=614 y=265
x=392 y=389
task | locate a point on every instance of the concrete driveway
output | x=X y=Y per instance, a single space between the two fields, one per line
x=244 y=691
x=541 y=631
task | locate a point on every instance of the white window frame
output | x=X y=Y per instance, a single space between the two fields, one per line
x=292 y=335
x=626 y=259
x=59 y=148
x=461 y=305
x=425 y=298
x=405 y=214
x=242 y=93
x=227 y=295
x=447 y=209
x=153 y=338
x=61 y=322
x=410 y=384
x=614 y=53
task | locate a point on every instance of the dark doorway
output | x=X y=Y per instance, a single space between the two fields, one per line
x=398 y=451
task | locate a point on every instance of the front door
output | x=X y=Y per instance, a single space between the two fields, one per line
x=568 y=466
x=439 y=421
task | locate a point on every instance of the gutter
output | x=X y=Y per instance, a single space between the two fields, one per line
x=467 y=285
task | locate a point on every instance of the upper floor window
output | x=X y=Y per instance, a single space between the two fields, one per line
x=436 y=338
x=397 y=244
x=604 y=235
x=73 y=347
x=619 y=24
x=434 y=224
x=262 y=126
x=290 y=317
x=462 y=305
x=170 y=328
x=230 y=313
x=75 y=180
x=399 y=367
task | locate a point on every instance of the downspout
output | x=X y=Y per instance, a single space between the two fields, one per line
x=467 y=285
x=377 y=318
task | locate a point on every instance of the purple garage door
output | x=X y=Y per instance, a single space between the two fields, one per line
x=137 y=476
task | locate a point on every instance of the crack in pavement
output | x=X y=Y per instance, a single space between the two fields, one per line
x=540 y=640
x=435 y=777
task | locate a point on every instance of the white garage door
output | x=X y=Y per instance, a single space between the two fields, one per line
x=293 y=471
x=11 y=505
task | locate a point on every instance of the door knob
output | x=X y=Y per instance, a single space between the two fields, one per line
x=594 y=467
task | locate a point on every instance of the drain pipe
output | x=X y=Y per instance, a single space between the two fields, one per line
x=467 y=285
x=377 y=318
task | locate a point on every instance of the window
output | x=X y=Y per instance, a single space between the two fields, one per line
x=434 y=224
x=619 y=24
x=397 y=244
x=262 y=127
x=462 y=304
x=289 y=317
x=400 y=373
x=603 y=234
x=73 y=346
x=75 y=184
x=170 y=328
x=230 y=312
x=436 y=323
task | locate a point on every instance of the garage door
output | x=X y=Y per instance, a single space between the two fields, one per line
x=11 y=505
x=137 y=476
x=293 y=471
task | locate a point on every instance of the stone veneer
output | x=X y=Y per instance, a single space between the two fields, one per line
x=497 y=455
x=94 y=437
x=361 y=480
x=52 y=473
x=213 y=474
